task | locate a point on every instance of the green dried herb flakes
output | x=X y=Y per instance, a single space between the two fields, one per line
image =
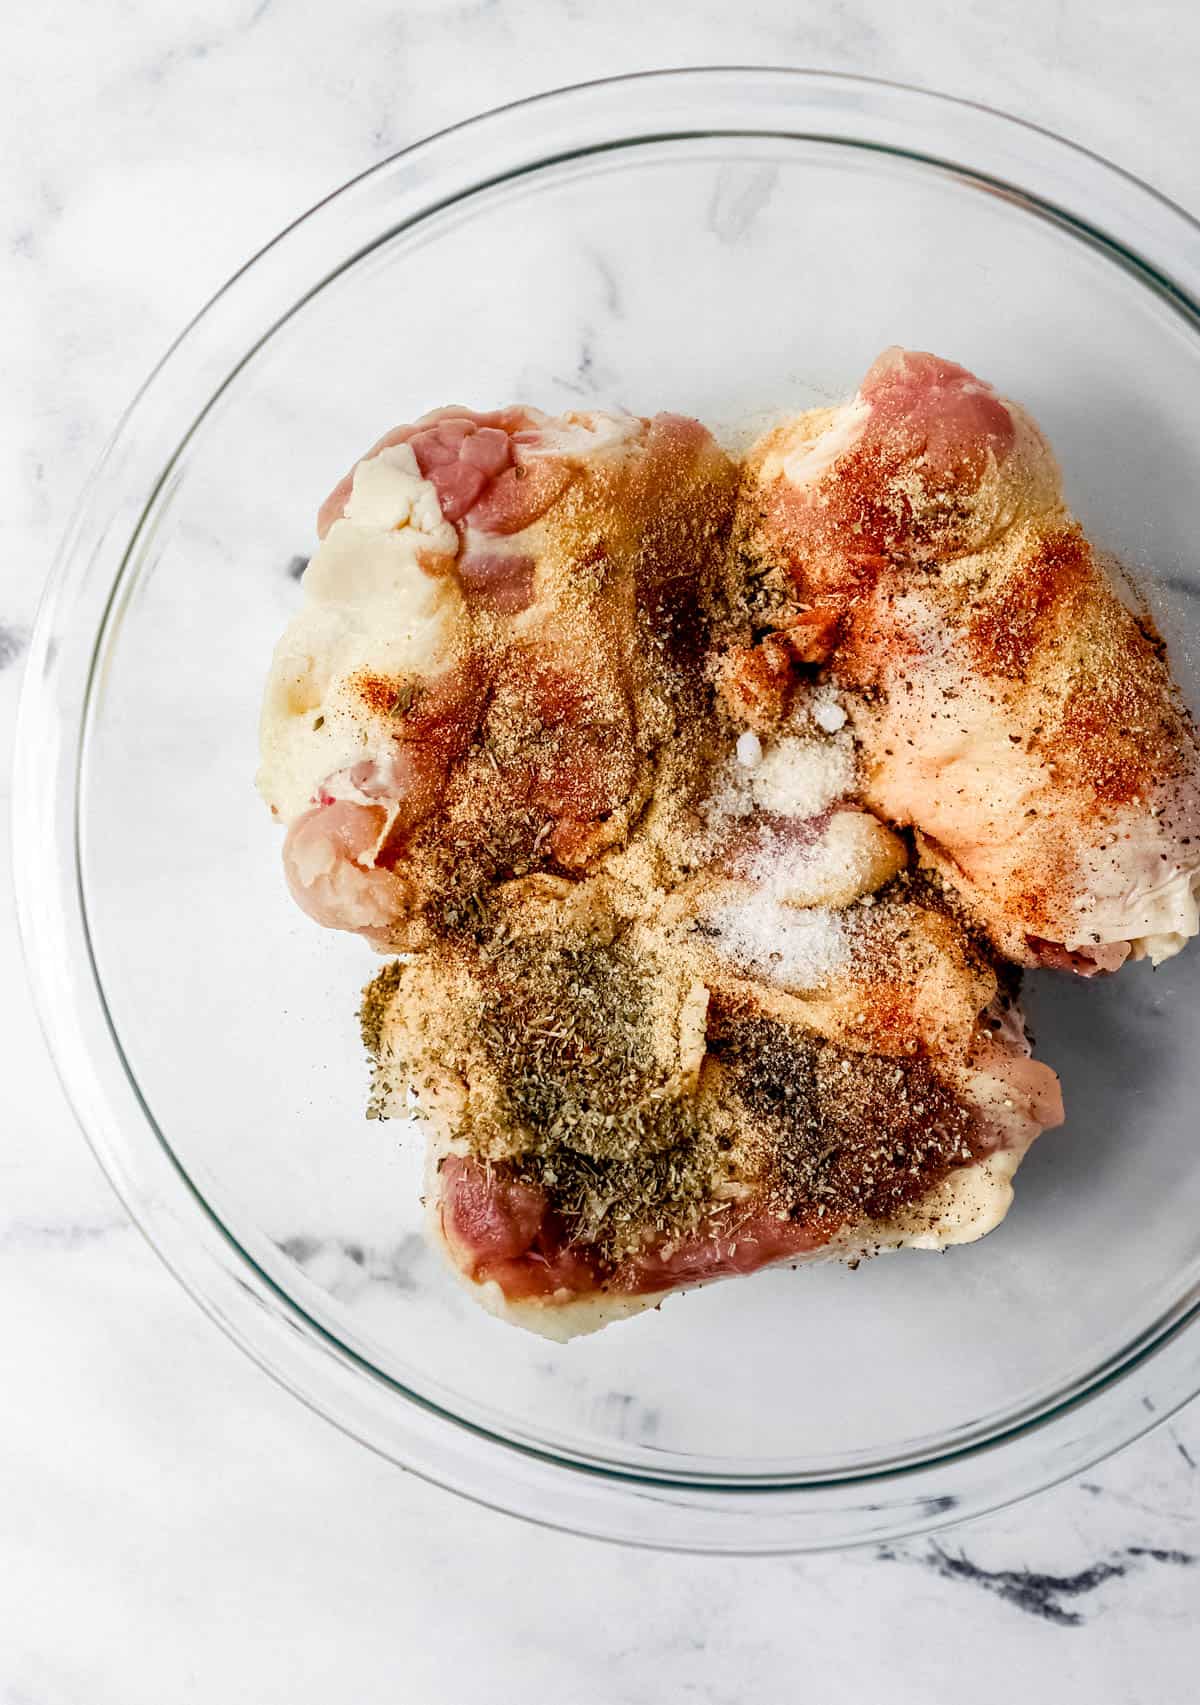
x=616 y=1206
x=377 y=997
x=406 y=696
x=568 y=1032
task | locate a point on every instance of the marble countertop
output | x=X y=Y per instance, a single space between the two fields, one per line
x=174 y=1527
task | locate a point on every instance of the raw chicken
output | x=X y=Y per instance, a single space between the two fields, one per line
x=713 y=818
x=1010 y=705
x=620 y=1103
x=495 y=659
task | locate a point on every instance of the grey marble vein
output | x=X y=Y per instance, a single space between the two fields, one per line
x=739 y=196
x=48 y=1237
x=1048 y=1596
x=13 y=641
x=1181 y=1448
x=591 y=376
x=1183 y=586
x=395 y=1265
x=158 y=69
x=625 y=1415
x=610 y=284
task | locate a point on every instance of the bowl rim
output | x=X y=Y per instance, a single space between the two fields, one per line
x=1135 y=225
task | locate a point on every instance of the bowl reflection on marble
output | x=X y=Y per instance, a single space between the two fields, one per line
x=714 y=242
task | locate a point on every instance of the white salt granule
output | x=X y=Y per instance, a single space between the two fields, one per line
x=798 y=949
x=749 y=749
x=826 y=712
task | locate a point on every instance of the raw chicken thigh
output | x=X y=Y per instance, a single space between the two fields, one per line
x=495 y=655
x=620 y=1103
x=1010 y=706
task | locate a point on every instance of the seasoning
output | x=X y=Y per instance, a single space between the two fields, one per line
x=377 y=998
x=635 y=800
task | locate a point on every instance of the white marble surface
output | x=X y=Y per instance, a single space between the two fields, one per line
x=172 y=1526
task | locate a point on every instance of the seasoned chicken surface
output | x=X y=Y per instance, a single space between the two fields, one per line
x=1009 y=706
x=713 y=810
x=496 y=657
x=623 y=1100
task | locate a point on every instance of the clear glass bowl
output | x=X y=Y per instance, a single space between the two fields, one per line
x=720 y=242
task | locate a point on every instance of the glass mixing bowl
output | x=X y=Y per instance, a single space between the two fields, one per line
x=726 y=243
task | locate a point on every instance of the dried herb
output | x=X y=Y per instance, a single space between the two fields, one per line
x=405 y=697
x=377 y=997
